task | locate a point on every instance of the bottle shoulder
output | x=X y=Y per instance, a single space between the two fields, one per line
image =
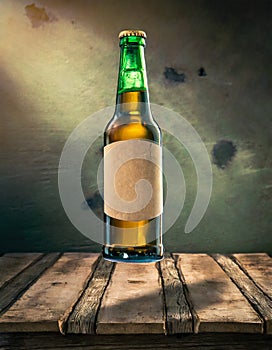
x=122 y=128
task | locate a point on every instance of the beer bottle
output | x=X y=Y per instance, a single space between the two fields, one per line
x=133 y=194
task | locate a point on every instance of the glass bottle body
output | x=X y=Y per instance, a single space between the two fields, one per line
x=130 y=238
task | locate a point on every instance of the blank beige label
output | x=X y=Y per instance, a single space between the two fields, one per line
x=133 y=180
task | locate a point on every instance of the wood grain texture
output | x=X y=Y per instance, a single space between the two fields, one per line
x=14 y=263
x=132 y=302
x=219 y=304
x=84 y=315
x=259 y=267
x=257 y=298
x=178 y=314
x=63 y=319
x=83 y=293
x=15 y=287
x=42 y=305
x=201 y=341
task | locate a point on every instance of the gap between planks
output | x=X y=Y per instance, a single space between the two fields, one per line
x=178 y=316
x=82 y=317
x=258 y=267
x=259 y=301
x=14 y=263
x=42 y=305
x=16 y=286
x=218 y=303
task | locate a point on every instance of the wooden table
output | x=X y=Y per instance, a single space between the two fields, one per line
x=187 y=300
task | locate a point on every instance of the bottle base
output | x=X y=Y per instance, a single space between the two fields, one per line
x=132 y=255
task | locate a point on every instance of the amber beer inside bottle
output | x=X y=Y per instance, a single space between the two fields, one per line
x=133 y=237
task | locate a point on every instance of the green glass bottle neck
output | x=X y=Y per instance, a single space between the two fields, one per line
x=132 y=69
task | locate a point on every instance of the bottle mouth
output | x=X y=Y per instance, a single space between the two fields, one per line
x=132 y=37
x=127 y=33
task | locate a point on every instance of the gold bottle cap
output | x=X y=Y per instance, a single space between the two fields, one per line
x=124 y=33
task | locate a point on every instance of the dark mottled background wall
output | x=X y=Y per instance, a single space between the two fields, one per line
x=59 y=62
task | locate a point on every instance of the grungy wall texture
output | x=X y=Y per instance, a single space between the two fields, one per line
x=208 y=60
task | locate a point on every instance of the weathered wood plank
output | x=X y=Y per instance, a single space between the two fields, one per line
x=259 y=267
x=78 y=293
x=12 y=290
x=13 y=263
x=63 y=319
x=83 y=317
x=257 y=298
x=132 y=302
x=43 y=304
x=219 y=304
x=201 y=341
x=178 y=314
